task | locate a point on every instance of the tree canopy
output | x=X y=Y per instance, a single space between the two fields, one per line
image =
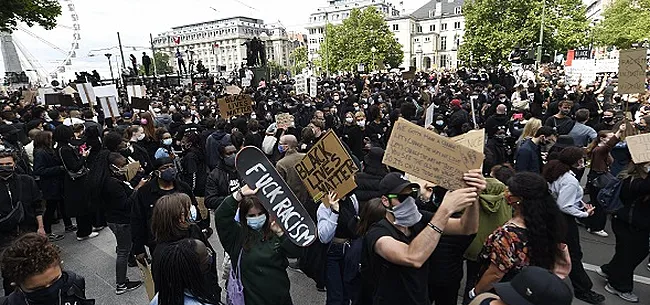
x=348 y=44
x=494 y=27
x=625 y=22
x=162 y=64
x=31 y=12
x=298 y=59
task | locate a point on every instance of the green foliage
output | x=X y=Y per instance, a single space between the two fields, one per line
x=348 y=44
x=31 y=12
x=298 y=59
x=276 y=69
x=494 y=27
x=162 y=64
x=625 y=22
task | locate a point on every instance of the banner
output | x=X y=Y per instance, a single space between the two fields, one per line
x=631 y=71
x=431 y=157
x=327 y=167
x=234 y=105
x=639 y=147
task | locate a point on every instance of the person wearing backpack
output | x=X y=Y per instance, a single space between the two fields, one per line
x=567 y=192
x=21 y=207
x=632 y=230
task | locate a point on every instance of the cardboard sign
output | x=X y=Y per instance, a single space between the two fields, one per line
x=109 y=106
x=132 y=170
x=104 y=91
x=145 y=270
x=474 y=139
x=29 y=96
x=631 y=71
x=140 y=103
x=327 y=167
x=233 y=90
x=639 y=147
x=69 y=90
x=431 y=157
x=276 y=196
x=284 y=120
x=233 y=105
x=86 y=93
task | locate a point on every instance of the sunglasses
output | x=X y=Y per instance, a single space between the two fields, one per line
x=402 y=197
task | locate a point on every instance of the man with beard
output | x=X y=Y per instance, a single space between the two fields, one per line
x=529 y=156
x=561 y=121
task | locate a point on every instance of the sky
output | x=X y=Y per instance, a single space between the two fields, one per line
x=135 y=19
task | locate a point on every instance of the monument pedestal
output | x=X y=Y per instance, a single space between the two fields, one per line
x=259 y=73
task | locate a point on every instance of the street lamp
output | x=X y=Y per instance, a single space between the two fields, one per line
x=541 y=37
x=373 y=50
x=110 y=65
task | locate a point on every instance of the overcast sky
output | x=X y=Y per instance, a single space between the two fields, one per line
x=135 y=19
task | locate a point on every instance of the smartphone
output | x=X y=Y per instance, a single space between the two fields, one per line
x=517 y=116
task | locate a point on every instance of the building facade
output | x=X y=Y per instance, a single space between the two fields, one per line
x=220 y=43
x=430 y=36
x=595 y=9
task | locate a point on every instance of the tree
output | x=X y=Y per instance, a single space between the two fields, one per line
x=298 y=59
x=276 y=69
x=625 y=22
x=494 y=27
x=162 y=64
x=41 y=12
x=348 y=44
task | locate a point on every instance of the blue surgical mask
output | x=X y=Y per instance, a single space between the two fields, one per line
x=256 y=222
x=167 y=142
x=281 y=149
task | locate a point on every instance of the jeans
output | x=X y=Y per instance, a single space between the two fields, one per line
x=123 y=236
x=631 y=250
x=48 y=216
x=341 y=272
x=579 y=278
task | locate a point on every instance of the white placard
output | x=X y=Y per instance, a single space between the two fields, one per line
x=104 y=91
x=313 y=86
x=109 y=106
x=301 y=84
x=86 y=93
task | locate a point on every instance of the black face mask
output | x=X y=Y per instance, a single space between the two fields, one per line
x=46 y=296
x=229 y=161
x=6 y=172
x=608 y=120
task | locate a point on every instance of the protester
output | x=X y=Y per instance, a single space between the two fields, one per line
x=581 y=133
x=562 y=122
x=529 y=156
x=529 y=131
x=223 y=180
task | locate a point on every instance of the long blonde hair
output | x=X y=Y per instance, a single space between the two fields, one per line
x=530 y=129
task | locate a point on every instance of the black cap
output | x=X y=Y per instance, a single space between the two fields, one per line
x=162 y=161
x=535 y=286
x=395 y=183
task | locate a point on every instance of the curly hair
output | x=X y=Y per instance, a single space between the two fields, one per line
x=565 y=160
x=545 y=225
x=29 y=255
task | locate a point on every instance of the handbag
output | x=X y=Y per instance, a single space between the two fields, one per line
x=74 y=175
x=603 y=180
x=10 y=222
x=235 y=288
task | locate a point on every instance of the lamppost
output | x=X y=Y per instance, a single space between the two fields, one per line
x=110 y=65
x=373 y=50
x=541 y=37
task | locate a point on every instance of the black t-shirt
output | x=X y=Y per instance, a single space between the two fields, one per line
x=562 y=126
x=386 y=283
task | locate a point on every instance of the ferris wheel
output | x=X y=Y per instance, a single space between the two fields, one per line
x=44 y=53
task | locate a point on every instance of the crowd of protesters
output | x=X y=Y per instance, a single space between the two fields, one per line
x=163 y=180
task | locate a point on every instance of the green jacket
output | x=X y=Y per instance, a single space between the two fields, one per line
x=264 y=266
x=493 y=213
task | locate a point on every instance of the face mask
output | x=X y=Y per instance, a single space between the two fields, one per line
x=167 y=142
x=608 y=119
x=168 y=175
x=308 y=105
x=361 y=123
x=281 y=149
x=229 y=161
x=143 y=121
x=269 y=103
x=356 y=108
x=49 y=295
x=6 y=172
x=336 y=97
x=440 y=123
x=503 y=99
x=257 y=222
x=253 y=116
x=349 y=120
x=140 y=137
x=365 y=106
x=600 y=99
x=406 y=214
x=183 y=108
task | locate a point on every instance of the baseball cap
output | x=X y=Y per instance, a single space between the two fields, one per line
x=535 y=286
x=395 y=183
x=455 y=102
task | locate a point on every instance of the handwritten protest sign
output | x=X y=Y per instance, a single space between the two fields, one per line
x=631 y=71
x=284 y=120
x=327 y=167
x=233 y=105
x=474 y=139
x=233 y=90
x=424 y=154
x=639 y=147
x=313 y=86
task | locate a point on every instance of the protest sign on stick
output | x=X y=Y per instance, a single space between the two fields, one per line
x=639 y=147
x=233 y=90
x=86 y=93
x=631 y=71
x=104 y=91
x=233 y=105
x=109 y=106
x=431 y=157
x=327 y=167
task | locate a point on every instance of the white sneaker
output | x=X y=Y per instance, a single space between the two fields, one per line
x=92 y=235
x=626 y=296
x=601 y=272
x=600 y=233
x=648 y=266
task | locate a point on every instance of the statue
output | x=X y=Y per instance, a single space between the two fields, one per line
x=255 y=52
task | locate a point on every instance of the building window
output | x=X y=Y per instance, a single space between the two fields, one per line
x=419 y=29
x=321 y=30
x=443 y=43
x=458 y=10
x=395 y=27
x=432 y=28
x=416 y=39
x=427 y=39
x=443 y=27
x=320 y=40
x=443 y=60
x=457 y=25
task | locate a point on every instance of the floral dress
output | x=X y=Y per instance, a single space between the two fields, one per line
x=507 y=248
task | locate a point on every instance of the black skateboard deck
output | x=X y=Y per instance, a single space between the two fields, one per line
x=276 y=196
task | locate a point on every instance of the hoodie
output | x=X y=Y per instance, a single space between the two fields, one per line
x=212 y=144
x=494 y=212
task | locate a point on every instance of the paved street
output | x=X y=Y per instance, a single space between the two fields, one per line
x=95 y=260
